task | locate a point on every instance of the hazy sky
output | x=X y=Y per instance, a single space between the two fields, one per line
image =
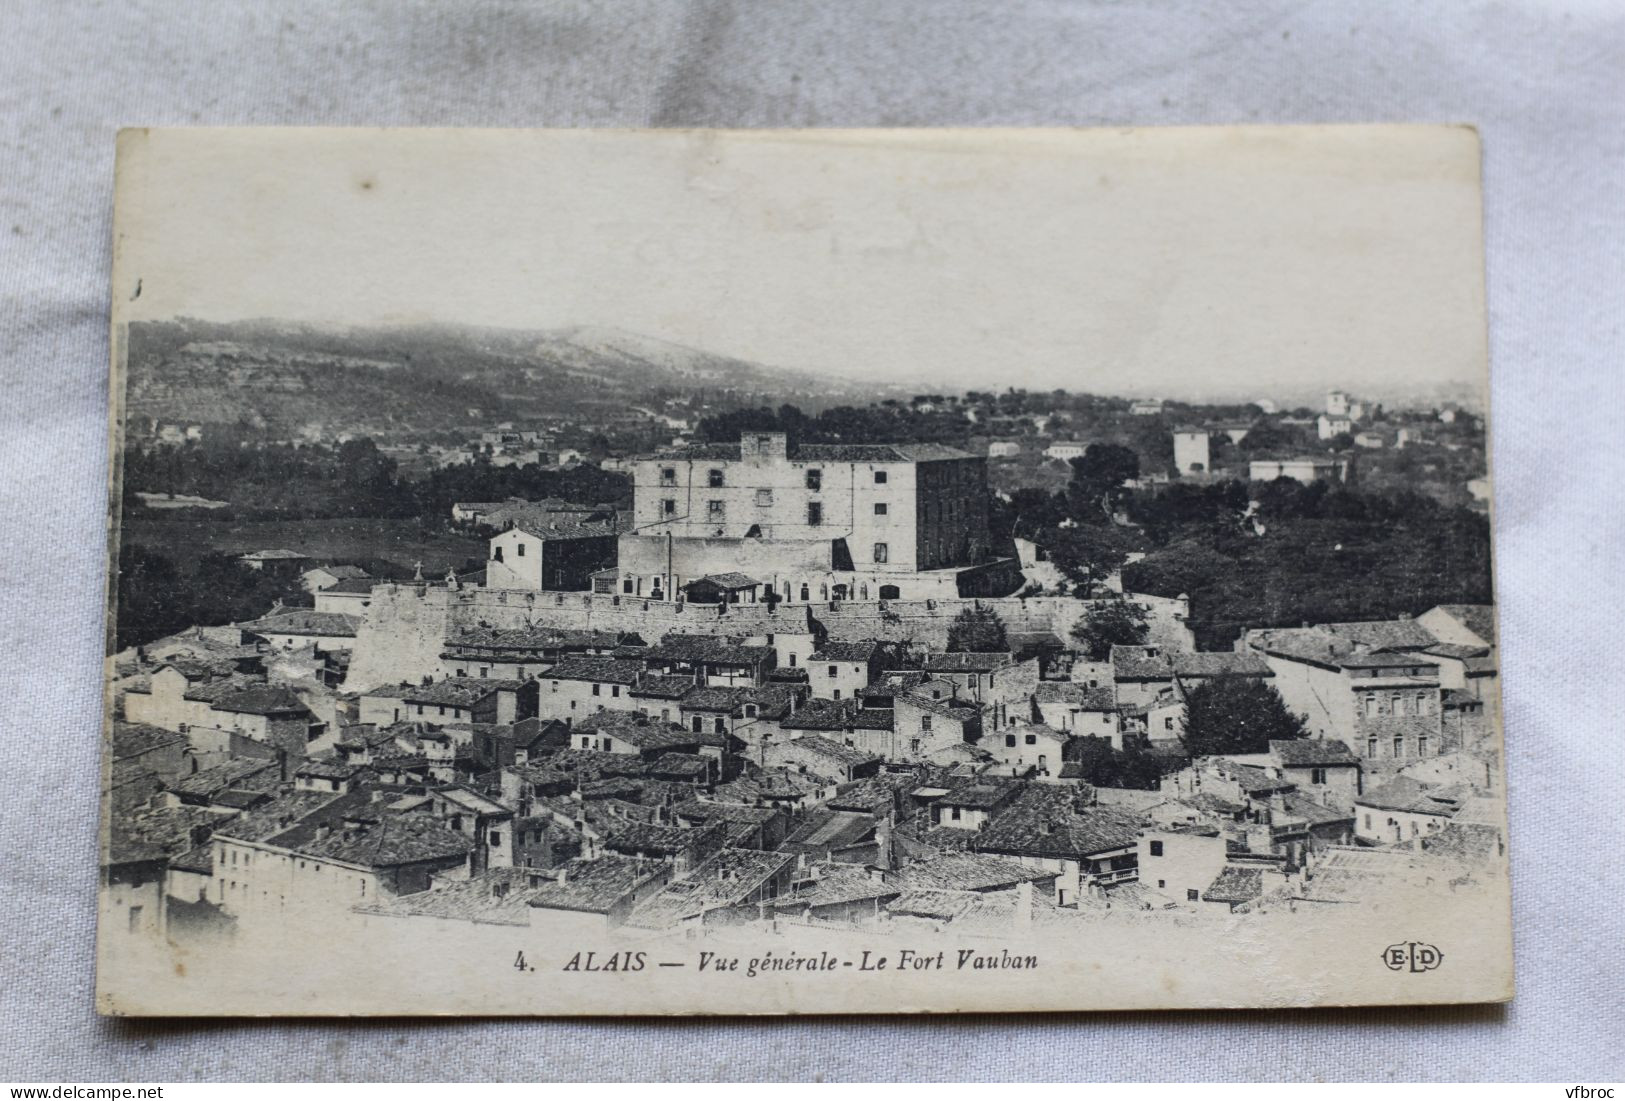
x=1169 y=262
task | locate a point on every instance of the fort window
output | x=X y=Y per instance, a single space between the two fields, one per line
x=519 y=549
x=668 y=476
x=880 y=477
x=880 y=508
x=1399 y=745
x=815 y=480
x=668 y=506
x=815 y=515
x=714 y=510
x=764 y=498
x=714 y=479
x=1156 y=848
x=882 y=551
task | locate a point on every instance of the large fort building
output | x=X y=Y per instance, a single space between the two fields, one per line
x=813 y=522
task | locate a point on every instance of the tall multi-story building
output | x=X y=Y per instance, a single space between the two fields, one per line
x=808 y=523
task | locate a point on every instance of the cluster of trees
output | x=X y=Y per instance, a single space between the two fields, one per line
x=1133 y=766
x=1294 y=554
x=1252 y=554
x=159 y=595
x=1236 y=715
x=353 y=479
x=889 y=422
x=977 y=631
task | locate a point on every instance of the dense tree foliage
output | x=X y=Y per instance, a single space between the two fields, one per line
x=1099 y=476
x=354 y=479
x=158 y=595
x=1133 y=766
x=889 y=422
x=1306 y=554
x=1236 y=715
x=1112 y=623
x=977 y=631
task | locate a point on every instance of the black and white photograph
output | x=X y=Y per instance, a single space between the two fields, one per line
x=781 y=572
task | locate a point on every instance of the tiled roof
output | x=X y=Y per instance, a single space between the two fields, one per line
x=593 y=667
x=730 y=581
x=680 y=764
x=134 y=739
x=845 y=755
x=968 y=662
x=663 y=687
x=1079 y=696
x=230 y=773
x=556 y=525
x=1311 y=810
x=1384 y=634
x=648 y=837
x=1252 y=780
x=261 y=700
x=1412 y=796
x=351 y=828
x=1140 y=663
x=355 y=585
x=726 y=700
x=496 y=896
x=825 y=830
x=837 y=883
x=1304 y=752
x=197 y=666
x=593 y=886
x=303 y=621
x=967 y=871
x=859 y=650
x=1235 y=883
x=157 y=833
x=699 y=810
x=726 y=879
x=1477 y=618
x=344 y=571
x=1222 y=663
x=709 y=648
x=773 y=701
x=1038 y=824
x=983 y=793
x=839 y=715
x=460 y=691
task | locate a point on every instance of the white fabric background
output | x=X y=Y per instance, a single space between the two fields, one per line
x=1544 y=82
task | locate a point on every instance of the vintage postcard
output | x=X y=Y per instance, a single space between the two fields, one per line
x=629 y=572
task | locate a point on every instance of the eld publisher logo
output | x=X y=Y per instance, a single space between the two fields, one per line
x=1412 y=956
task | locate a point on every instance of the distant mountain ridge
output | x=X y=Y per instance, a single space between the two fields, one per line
x=286 y=376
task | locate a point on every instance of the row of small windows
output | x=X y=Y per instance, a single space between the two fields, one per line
x=716 y=478
x=1398 y=703
x=1373 y=743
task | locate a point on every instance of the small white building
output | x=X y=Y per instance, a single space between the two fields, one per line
x=1329 y=427
x=1191 y=451
x=1065 y=450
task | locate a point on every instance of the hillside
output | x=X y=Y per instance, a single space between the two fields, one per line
x=283 y=377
